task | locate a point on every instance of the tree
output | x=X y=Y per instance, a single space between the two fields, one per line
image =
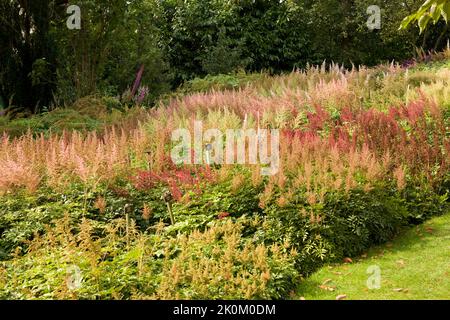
x=218 y=36
x=27 y=55
x=84 y=53
x=116 y=38
x=43 y=62
x=338 y=31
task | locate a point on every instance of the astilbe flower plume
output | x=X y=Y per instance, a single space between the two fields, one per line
x=177 y=179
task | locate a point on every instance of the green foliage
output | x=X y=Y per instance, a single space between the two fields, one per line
x=27 y=57
x=56 y=121
x=86 y=115
x=219 y=36
x=361 y=219
x=68 y=262
x=118 y=37
x=220 y=82
x=224 y=57
x=340 y=34
x=346 y=224
x=423 y=203
x=199 y=210
x=430 y=11
x=23 y=216
x=46 y=63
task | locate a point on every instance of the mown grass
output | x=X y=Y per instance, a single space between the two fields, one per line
x=416 y=265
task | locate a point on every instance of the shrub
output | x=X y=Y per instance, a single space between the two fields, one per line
x=220 y=82
x=343 y=225
x=424 y=203
x=361 y=219
x=215 y=201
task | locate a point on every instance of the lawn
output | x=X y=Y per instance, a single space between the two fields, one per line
x=416 y=265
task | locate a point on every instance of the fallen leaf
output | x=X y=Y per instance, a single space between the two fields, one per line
x=429 y=229
x=336 y=273
x=398 y=289
x=326 y=281
x=341 y=297
x=401 y=262
x=302 y=298
x=348 y=260
x=327 y=288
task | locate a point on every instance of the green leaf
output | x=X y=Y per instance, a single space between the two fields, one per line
x=423 y=22
x=407 y=21
x=445 y=11
x=427 y=5
x=435 y=13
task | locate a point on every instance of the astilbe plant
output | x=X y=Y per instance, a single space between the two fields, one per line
x=61 y=159
x=365 y=146
x=325 y=101
x=230 y=268
x=124 y=263
x=178 y=180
